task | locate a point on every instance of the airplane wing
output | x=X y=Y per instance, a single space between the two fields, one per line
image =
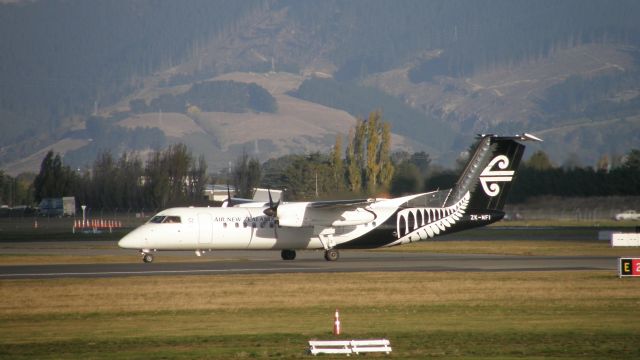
x=337 y=204
x=325 y=213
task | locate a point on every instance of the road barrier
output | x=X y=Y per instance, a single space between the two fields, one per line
x=96 y=224
x=349 y=347
x=625 y=239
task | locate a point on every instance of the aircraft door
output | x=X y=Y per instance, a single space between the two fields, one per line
x=205 y=229
x=232 y=229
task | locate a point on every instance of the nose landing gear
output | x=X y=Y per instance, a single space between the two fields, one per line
x=146 y=257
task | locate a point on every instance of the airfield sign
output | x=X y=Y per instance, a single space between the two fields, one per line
x=629 y=267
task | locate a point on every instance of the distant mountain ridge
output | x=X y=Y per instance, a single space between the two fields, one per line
x=450 y=68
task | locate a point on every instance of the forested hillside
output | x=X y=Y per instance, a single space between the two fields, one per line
x=64 y=58
x=358 y=100
x=439 y=70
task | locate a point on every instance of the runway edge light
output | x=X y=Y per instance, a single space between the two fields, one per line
x=629 y=267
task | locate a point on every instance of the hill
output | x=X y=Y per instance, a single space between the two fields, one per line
x=440 y=71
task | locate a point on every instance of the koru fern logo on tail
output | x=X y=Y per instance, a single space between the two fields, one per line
x=490 y=177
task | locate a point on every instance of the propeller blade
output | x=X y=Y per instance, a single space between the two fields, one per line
x=272 y=210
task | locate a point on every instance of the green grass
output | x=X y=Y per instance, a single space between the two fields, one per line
x=437 y=344
x=569 y=315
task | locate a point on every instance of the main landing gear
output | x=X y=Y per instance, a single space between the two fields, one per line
x=331 y=255
x=288 y=254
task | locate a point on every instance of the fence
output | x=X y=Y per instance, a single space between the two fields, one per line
x=29 y=219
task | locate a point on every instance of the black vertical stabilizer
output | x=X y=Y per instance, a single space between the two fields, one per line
x=489 y=172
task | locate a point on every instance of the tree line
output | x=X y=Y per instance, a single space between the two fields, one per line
x=540 y=177
x=174 y=176
x=169 y=177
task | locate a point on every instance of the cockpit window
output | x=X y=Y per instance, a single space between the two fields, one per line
x=160 y=219
x=157 y=219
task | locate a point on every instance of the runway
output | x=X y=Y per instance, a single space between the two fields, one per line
x=269 y=262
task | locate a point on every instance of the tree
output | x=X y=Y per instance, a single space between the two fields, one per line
x=177 y=160
x=373 y=142
x=603 y=165
x=406 y=179
x=129 y=173
x=54 y=179
x=337 y=164
x=386 y=165
x=421 y=160
x=103 y=187
x=540 y=161
x=632 y=161
x=197 y=178
x=368 y=154
x=359 y=141
x=247 y=174
x=572 y=161
x=156 y=181
x=354 y=172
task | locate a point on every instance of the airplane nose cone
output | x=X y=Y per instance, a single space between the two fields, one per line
x=125 y=242
x=131 y=241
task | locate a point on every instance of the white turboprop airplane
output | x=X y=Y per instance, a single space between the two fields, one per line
x=476 y=200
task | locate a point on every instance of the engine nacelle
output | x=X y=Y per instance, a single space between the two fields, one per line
x=300 y=215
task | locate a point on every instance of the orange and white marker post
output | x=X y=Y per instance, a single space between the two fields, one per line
x=336 y=323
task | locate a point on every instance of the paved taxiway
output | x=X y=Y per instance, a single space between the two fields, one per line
x=268 y=262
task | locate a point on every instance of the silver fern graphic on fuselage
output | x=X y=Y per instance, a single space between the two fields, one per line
x=416 y=224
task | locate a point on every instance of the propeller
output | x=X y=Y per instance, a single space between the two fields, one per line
x=228 y=202
x=272 y=210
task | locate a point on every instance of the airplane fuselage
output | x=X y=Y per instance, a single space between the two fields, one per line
x=477 y=199
x=384 y=223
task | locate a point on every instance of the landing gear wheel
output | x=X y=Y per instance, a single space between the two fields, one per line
x=148 y=258
x=288 y=254
x=331 y=255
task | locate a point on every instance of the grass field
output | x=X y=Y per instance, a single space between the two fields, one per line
x=506 y=315
x=585 y=314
